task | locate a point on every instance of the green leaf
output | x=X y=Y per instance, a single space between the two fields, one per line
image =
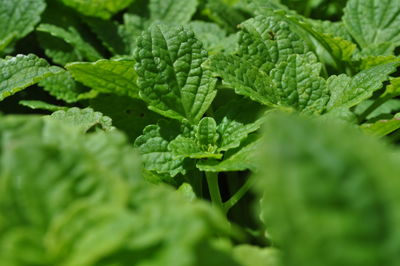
x=131 y=30
x=63 y=87
x=40 y=105
x=212 y=36
x=373 y=22
x=22 y=71
x=73 y=38
x=242 y=76
x=236 y=120
x=128 y=114
x=153 y=146
x=107 y=76
x=18 y=18
x=171 y=78
x=84 y=119
x=108 y=33
x=172 y=11
x=256 y=256
x=382 y=128
x=335 y=181
x=226 y=16
x=350 y=91
x=184 y=147
x=294 y=83
x=207 y=132
x=299 y=85
x=98 y=8
x=96 y=192
x=240 y=159
x=267 y=41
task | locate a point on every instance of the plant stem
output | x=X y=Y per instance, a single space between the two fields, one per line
x=213 y=187
x=238 y=195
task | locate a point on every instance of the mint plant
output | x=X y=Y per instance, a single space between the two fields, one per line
x=199 y=132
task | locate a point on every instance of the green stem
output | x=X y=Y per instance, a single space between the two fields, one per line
x=238 y=195
x=213 y=187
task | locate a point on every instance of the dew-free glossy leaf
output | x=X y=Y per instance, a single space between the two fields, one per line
x=107 y=76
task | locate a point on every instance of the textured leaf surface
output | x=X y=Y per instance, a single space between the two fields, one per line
x=242 y=76
x=172 y=11
x=107 y=76
x=293 y=83
x=349 y=91
x=85 y=119
x=373 y=21
x=63 y=87
x=153 y=146
x=236 y=120
x=18 y=18
x=72 y=37
x=335 y=181
x=98 y=8
x=171 y=79
x=267 y=41
x=22 y=71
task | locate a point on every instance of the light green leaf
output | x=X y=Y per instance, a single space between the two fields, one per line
x=240 y=159
x=185 y=147
x=73 y=38
x=98 y=8
x=172 y=11
x=171 y=78
x=330 y=178
x=98 y=210
x=63 y=87
x=18 y=18
x=382 y=128
x=256 y=256
x=373 y=22
x=153 y=146
x=40 y=105
x=22 y=71
x=84 y=119
x=107 y=76
x=349 y=91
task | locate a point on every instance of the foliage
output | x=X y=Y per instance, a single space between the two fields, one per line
x=199 y=132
